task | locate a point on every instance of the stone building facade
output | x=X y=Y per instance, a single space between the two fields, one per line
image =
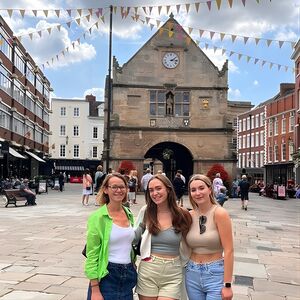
x=170 y=109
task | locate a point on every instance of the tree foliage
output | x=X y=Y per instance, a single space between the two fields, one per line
x=126 y=166
x=218 y=168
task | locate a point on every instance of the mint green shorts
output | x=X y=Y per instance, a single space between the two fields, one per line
x=160 y=277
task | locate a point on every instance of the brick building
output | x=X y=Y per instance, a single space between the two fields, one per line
x=24 y=109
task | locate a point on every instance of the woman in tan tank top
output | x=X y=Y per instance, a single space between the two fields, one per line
x=209 y=270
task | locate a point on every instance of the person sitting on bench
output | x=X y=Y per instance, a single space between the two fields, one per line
x=28 y=194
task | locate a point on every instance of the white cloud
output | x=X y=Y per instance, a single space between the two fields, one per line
x=256 y=83
x=235 y=94
x=98 y=92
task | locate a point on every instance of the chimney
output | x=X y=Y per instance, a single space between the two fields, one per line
x=284 y=87
x=90 y=98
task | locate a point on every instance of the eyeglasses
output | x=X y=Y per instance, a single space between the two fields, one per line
x=202 y=221
x=114 y=188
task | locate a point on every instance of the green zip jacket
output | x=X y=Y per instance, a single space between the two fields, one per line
x=98 y=234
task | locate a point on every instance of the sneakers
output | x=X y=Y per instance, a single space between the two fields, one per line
x=245 y=207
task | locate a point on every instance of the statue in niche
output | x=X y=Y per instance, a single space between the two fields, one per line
x=170 y=104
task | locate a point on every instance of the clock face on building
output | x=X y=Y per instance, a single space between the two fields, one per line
x=170 y=60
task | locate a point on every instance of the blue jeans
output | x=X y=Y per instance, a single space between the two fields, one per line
x=204 y=281
x=118 y=284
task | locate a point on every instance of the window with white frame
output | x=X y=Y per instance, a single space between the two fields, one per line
x=244 y=141
x=283 y=150
x=75 y=130
x=283 y=124
x=76 y=151
x=256 y=160
x=76 y=112
x=62 y=151
x=252 y=122
x=240 y=142
x=257 y=139
x=270 y=128
x=292 y=121
x=240 y=161
x=240 y=126
x=95 y=132
x=256 y=121
x=252 y=140
x=244 y=161
x=63 y=111
x=234 y=143
x=276 y=126
x=262 y=136
x=262 y=158
x=95 y=151
x=62 y=130
x=235 y=122
x=244 y=125
x=262 y=119
x=248 y=140
x=248 y=123
x=270 y=154
x=276 y=153
x=291 y=150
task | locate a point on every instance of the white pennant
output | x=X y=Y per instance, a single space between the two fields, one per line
x=178 y=8
x=45 y=12
x=10 y=11
x=22 y=12
x=34 y=12
x=57 y=11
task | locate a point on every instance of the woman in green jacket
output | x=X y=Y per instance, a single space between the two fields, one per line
x=110 y=260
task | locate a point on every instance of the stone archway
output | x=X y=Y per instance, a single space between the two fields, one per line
x=173 y=156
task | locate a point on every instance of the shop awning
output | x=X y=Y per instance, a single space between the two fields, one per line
x=69 y=168
x=15 y=153
x=35 y=156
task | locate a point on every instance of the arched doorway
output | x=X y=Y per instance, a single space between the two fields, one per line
x=173 y=156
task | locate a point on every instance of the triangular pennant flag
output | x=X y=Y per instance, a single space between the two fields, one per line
x=170 y=33
x=286 y=68
x=68 y=24
x=47 y=62
x=206 y=46
x=208 y=4
x=52 y=59
x=90 y=30
x=256 y=60
x=223 y=51
x=145 y=10
x=201 y=32
x=150 y=9
x=222 y=35
x=143 y=21
x=90 y=11
x=67 y=49
x=40 y=33
x=188 y=40
x=78 y=21
x=45 y=11
x=257 y=1
x=57 y=56
x=263 y=62
x=168 y=9
x=136 y=10
x=88 y=17
x=30 y=35
x=63 y=53
x=280 y=43
x=58 y=27
x=97 y=24
x=278 y=67
x=102 y=19
x=127 y=11
x=233 y=37
x=34 y=12
x=147 y=20
x=151 y=26
x=100 y=11
x=115 y=9
x=211 y=34
x=190 y=30
x=22 y=12
x=271 y=65
x=159 y=10
x=197 y=6
x=49 y=30
x=187 y=7
x=157 y=23
x=178 y=8
x=239 y=56
x=246 y=39
x=230 y=3
x=9 y=11
x=218 y=2
x=78 y=40
x=244 y=2
x=73 y=44
x=257 y=40
x=69 y=11
x=57 y=11
x=79 y=11
x=248 y=58
x=215 y=49
x=269 y=42
x=137 y=17
x=231 y=53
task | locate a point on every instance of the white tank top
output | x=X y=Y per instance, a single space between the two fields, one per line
x=120 y=244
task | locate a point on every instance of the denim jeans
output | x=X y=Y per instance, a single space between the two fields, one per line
x=118 y=284
x=204 y=281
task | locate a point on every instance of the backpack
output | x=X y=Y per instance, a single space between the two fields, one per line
x=132 y=182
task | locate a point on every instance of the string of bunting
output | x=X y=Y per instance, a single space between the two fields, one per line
x=124 y=10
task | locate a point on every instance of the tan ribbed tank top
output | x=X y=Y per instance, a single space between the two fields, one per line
x=207 y=242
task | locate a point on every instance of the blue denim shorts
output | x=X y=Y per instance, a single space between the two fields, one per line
x=204 y=281
x=118 y=284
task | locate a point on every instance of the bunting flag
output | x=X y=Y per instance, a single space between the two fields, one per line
x=197 y=6
x=218 y=2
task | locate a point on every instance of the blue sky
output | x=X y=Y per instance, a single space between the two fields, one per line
x=82 y=69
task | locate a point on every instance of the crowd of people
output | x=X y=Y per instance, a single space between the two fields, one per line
x=182 y=253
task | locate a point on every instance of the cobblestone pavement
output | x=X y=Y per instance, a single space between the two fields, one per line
x=40 y=257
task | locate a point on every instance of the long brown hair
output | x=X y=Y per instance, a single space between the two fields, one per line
x=181 y=219
x=207 y=182
x=102 y=198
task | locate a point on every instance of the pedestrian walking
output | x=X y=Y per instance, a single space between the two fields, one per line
x=208 y=273
x=98 y=176
x=110 y=259
x=179 y=188
x=87 y=183
x=244 y=186
x=61 y=181
x=162 y=229
x=145 y=179
x=132 y=187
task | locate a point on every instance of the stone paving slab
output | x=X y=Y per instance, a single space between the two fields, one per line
x=41 y=258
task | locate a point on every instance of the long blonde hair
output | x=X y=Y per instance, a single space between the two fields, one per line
x=207 y=182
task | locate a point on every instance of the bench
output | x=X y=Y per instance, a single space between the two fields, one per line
x=13 y=196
